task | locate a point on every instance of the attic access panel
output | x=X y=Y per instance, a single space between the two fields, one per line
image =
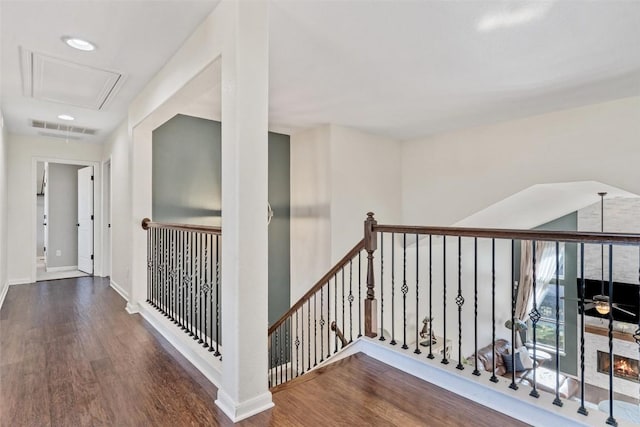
x=57 y=80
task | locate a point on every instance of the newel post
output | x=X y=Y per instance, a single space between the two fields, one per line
x=370 y=304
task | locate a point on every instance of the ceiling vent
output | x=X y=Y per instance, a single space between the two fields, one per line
x=58 y=80
x=41 y=124
x=60 y=136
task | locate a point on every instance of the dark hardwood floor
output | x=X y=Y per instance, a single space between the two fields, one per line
x=71 y=356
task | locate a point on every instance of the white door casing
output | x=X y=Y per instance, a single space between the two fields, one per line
x=85 y=219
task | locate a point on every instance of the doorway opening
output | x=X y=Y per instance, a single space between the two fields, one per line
x=64 y=220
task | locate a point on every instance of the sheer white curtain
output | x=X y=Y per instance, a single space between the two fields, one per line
x=545 y=271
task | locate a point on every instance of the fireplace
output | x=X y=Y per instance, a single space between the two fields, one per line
x=623 y=367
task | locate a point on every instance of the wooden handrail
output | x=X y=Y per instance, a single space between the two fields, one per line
x=343 y=340
x=147 y=223
x=500 y=233
x=319 y=284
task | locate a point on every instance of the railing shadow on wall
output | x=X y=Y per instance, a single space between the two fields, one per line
x=450 y=294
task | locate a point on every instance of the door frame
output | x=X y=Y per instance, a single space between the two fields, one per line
x=107 y=203
x=97 y=209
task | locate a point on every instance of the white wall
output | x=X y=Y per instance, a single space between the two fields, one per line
x=116 y=148
x=24 y=151
x=4 y=143
x=62 y=186
x=338 y=174
x=450 y=176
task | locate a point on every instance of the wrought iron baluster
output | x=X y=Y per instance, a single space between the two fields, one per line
x=322 y=322
x=359 y=294
x=636 y=334
x=557 y=400
x=218 y=285
x=430 y=355
x=582 y=410
x=309 y=331
x=297 y=344
x=417 y=350
x=534 y=315
x=342 y=301
x=444 y=301
x=404 y=289
x=206 y=288
x=513 y=384
x=335 y=308
x=611 y=420
x=476 y=372
x=315 y=331
x=382 y=338
x=350 y=299
x=280 y=353
x=459 y=302
x=328 y=318
x=302 y=333
x=493 y=378
x=393 y=289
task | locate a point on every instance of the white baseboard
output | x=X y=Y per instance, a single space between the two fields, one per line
x=63 y=268
x=201 y=358
x=119 y=290
x=23 y=281
x=3 y=293
x=132 y=308
x=239 y=411
x=514 y=403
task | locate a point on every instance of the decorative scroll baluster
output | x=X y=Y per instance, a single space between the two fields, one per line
x=297 y=344
x=514 y=328
x=534 y=315
x=328 y=318
x=636 y=334
x=417 y=350
x=582 y=410
x=611 y=420
x=335 y=308
x=218 y=284
x=302 y=342
x=430 y=355
x=444 y=300
x=350 y=299
x=342 y=301
x=404 y=289
x=393 y=289
x=315 y=331
x=459 y=302
x=493 y=378
x=476 y=372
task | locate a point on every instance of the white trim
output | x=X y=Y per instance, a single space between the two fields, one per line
x=132 y=308
x=63 y=268
x=238 y=412
x=514 y=403
x=97 y=210
x=23 y=281
x=201 y=358
x=124 y=294
x=3 y=294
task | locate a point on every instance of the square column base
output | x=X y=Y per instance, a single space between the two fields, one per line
x=238 y=411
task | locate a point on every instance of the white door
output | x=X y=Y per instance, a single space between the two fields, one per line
x=85 y=219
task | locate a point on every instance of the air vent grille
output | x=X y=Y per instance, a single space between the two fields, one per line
x=41 y=124
x=59 y=135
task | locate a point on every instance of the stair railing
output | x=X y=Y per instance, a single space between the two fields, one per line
x=324 y=320
x=183 y=278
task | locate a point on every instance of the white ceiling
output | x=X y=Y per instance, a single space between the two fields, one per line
x=133 y=38
x=399 y=68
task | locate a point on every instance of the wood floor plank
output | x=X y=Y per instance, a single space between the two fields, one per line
x=71 y=356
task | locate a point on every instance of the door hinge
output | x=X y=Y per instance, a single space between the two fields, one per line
x=91 y=256
x=91 y=177
x=91 y=217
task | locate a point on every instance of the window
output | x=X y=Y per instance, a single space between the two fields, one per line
x=546 y=328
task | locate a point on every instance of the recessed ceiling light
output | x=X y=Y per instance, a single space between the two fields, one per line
x=513 y=17
x=66 y=117
x=79 y=44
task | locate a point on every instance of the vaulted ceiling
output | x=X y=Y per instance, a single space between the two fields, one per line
x=399 y=68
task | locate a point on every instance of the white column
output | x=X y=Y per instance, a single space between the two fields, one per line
x=141 y=202
x=244 y=390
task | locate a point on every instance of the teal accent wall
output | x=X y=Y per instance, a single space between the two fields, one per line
x=187 y=171
x=187 y=188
